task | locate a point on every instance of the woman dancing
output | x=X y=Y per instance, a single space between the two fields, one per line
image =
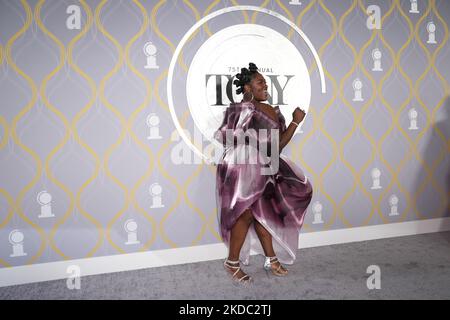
x=275 y=204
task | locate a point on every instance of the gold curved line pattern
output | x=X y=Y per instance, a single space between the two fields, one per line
x=174 y=181
x=208 y=9
x=183 y=189
x=10 y=201
x=131 y=120
x=306 y=137
x=444 y=41
x=358 y=116
x=154 y=24
x=364 y=108
x=410 y=141
x=200 y=213
x=197 y=17
x=165 y=174
x=394 y=116
x=6 y=195
x=299 y=146
x=158 y=158
x=297 y=151
x=196 y=209
x=320 y=186
x=298 y=21
x=211 y=6
x=415 y=90
x=244 y=13
x=444 y=84
x=334 y=30
x=443 y=80
x=255 y=13
x=410 y=203
x=429 y=175
x=88 y=25
x=211 y=217
x=347 y=137
x=122 y=120
x=206 y=224
x=5 y=136
x=289 y=14
x=161 y=103
x=60 y=115
x=409 y=154
x=413 y=148
x=180 y=60
x=158 y=32
x=211 y=220
x=16 y=139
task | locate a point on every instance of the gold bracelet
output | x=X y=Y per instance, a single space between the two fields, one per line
x=295 y=123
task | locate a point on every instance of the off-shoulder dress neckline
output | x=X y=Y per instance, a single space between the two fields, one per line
x=277 y=110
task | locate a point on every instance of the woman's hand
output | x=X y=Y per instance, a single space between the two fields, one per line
x=298 y=115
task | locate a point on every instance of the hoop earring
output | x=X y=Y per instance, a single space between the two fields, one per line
x=245 y=97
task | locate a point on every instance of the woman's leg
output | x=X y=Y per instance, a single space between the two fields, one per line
x=265 y=238
x=237 y=238
x=238 y=234
x=266 y=241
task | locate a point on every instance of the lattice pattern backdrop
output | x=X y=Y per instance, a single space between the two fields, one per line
x=87 y=138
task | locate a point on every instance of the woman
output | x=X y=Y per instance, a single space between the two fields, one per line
x=275 y=204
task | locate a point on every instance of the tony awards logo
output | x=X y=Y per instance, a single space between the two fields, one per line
x=209 y=83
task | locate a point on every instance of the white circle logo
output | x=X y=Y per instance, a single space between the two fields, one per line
x=209 y=84
x=210 y=87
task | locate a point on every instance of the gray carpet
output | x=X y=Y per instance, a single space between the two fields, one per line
x=414 y=267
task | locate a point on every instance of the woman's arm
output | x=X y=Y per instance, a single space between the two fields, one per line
x=297 y=116
x=286 y=135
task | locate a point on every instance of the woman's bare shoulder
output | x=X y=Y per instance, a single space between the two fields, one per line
x=269 y=106
x=240 y=105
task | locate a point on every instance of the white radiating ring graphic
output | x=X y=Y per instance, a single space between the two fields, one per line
x=195 y=27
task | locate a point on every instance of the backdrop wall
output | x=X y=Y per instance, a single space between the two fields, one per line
x=89 y=153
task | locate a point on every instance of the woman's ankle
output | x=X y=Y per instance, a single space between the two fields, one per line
x=233 y=258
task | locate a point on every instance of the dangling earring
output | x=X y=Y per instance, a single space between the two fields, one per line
x=245 y=97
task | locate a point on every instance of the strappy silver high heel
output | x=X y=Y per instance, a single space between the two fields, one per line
x=228 y=265
x=278 y=271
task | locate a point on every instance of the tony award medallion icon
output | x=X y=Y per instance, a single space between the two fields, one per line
x=45 y=200
x=130 y=227
x=16 y=239
x=431 y=28
x=150 y=51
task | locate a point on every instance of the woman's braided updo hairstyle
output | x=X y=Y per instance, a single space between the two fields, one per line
x=245 y=77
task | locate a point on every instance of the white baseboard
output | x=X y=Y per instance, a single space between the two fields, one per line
x=141 y=260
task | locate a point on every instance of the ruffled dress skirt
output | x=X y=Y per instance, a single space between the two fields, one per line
x=278 y=201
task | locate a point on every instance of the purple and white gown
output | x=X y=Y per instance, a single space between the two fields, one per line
x=278 y=201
